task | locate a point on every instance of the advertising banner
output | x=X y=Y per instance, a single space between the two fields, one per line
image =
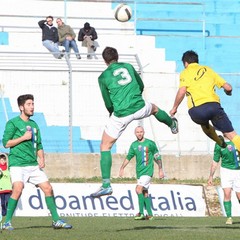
x=73 y=199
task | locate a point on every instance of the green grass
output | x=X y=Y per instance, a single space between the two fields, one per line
x=116 y=228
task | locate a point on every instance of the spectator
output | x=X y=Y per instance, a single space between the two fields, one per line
x=66 y=37
x=50 y=37
x=5 y=183
x=87 y=35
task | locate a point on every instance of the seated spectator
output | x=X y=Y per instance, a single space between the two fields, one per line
x=50 y=37
x=5 y=183
x=87 y=35
x=66 y=37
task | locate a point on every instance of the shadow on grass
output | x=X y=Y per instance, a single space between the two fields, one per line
x=141 y=228
x=33 y=227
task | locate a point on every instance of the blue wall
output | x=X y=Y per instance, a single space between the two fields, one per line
x=219 y=48
x=54 y=138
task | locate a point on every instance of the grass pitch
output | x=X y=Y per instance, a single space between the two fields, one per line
x=116 y=228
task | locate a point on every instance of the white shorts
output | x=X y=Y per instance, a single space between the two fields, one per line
x=144 y=181
x=30 y=174
x=230 y=179
x=116 y=125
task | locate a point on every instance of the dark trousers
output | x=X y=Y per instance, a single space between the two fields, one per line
x=4 y=200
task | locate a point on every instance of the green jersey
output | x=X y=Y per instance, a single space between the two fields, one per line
x=25 y=153
x=145 y=153
x=121 y=88
x=229 y=156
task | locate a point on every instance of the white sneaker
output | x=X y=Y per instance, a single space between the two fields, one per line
x=229 y=221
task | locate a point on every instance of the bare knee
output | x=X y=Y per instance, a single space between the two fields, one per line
x=139 y=189
x=107 y=142
x=17 y=190
x=46 y=188
x=154 y=109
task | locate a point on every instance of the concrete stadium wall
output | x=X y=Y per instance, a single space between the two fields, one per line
x=88 y=166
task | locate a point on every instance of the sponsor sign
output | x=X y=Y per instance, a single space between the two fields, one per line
x=73 y=199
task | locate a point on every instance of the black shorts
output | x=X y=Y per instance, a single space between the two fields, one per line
x=211 y=112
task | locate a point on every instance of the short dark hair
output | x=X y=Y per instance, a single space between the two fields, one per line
x=23 y=98
x=190 y=57
x=110 y=54
x=3 y=155
x=87 y=26
x=49 y=17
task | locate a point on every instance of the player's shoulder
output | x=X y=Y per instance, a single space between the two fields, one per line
x=14 y=119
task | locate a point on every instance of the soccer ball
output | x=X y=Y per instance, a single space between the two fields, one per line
x=1 y=173
x=123 y=12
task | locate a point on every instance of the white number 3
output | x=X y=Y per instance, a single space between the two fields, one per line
x=126 y=78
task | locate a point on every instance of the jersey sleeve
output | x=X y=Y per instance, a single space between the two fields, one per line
x=8 y=132
x=131 y=153
x=219 y=81
x=156 y=153
x=139 y=80
x=217 y=153
x=39 y=140
x=183 y=80
x=105 y=95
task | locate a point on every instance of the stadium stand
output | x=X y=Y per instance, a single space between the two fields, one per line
x=153 y=41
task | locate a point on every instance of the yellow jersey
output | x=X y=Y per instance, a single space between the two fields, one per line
x=200 y=82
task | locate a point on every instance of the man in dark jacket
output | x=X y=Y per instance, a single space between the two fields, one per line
x=50 y=36
x=87 y=35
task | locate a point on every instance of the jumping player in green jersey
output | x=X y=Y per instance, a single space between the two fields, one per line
x=198 y=83
x=121 y=88
x=229 y=173
x=146 y=152
x=26 y=161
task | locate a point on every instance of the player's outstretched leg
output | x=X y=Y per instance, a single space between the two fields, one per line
x=211 y=133
x=163 y=117
x=102 y=192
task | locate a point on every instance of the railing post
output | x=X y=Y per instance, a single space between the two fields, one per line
x=70 y=134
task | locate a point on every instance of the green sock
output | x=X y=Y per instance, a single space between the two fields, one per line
x=163 y=117
x=106 y=165
x=141 y=202
x=228 y=208
x=51 y=205
x=12 y=204
x=148 y=205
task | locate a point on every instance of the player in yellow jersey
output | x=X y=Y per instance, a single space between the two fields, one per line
x=198 y=83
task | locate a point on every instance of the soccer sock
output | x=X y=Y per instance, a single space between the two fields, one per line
x=163 y=117
x=51 y=205
x=141 y=202
x=228 y=208
x=12 y=204
x=148 y=205
x=236 y=141
x=106 y=165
